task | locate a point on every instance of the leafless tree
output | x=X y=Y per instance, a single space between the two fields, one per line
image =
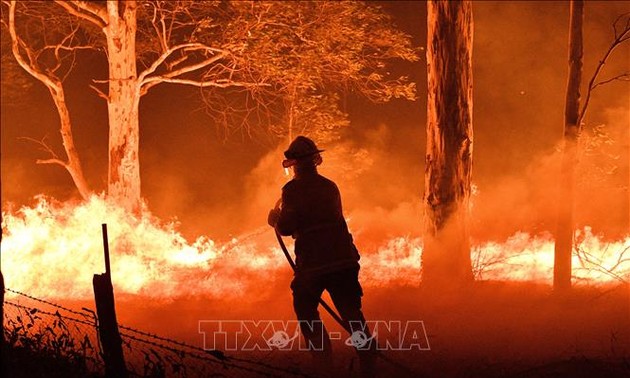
x=573 y=119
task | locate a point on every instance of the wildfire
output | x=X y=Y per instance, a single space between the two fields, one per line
x=53 y=249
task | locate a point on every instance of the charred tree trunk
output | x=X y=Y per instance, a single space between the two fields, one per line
x=448 y=170
x=123 y=104
x=564 y=229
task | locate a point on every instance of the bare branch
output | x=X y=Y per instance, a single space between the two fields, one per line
x=621 y=77
x=92 y=8
x=42 y=145
x=183 y=58
x=596 y=264
x=620 y=259
x=29 y=66
x=54 y=159
x=169 y=52
x=67 y=48
x=86 y=11
x=621 y=36
x=203 y=84
x=99 y=92
x=194 y=67
x=61 y=46
x=618 y=20
x=159 y=32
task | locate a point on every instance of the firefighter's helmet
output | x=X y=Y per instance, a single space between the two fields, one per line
x=301 y=149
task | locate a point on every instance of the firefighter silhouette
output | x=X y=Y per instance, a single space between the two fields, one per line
x=326 y=257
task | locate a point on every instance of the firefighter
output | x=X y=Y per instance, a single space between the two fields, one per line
x=326 y=257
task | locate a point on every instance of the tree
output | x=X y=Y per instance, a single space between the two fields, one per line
x=268 y=49
x=448 y=170
x=167 y=50
x=51 y=74
x=573 y=117
x=14 y=81
x=564 y=230
x=332 y=48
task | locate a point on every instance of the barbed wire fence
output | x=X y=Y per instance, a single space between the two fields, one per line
x=64 y=334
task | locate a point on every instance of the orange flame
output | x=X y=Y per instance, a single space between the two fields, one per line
x=52 y=249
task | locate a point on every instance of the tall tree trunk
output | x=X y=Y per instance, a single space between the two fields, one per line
x=73 y=164
x=123 y=103
x=564 y=229
x=448 y=171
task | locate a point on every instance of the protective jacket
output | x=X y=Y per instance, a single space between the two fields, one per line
x=311 y=212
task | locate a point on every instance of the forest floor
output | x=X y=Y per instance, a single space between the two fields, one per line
x=494 y=329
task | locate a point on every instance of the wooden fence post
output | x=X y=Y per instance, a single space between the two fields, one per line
x=107 y=325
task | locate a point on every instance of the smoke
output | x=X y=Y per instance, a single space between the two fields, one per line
x=380 y=199
x=527 y=200
x=223 y=190
x=520 y=82
x=206 y=252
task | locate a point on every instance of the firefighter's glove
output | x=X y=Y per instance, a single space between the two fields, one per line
x=272 y=218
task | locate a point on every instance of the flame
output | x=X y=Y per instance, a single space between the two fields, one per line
x=52 y=249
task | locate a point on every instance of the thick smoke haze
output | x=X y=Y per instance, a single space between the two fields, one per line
x=222 y=187
x=219 y=189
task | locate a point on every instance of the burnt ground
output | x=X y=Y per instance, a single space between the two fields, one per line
x=494 y=329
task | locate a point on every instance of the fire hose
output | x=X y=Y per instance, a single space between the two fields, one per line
x=345 y=325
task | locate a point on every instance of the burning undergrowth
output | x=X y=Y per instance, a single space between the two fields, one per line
x=53 y=248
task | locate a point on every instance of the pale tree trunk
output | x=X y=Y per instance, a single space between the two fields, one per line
x=73 y=164
x=448 y=170
x=122 y=105
x=55 y=87
x=564 y=228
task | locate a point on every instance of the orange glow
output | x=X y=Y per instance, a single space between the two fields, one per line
x=52 y=249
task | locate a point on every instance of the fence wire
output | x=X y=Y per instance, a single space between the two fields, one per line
x=40 y=326
x=32 y=332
